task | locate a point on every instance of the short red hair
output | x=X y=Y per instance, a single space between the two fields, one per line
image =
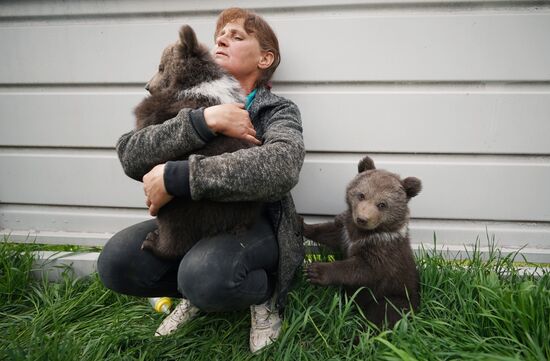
x=255 y=25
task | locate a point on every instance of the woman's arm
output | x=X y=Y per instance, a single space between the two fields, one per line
x=264 y=173
x=140 y=150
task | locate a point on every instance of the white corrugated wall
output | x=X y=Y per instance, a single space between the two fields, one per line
x=456 y=93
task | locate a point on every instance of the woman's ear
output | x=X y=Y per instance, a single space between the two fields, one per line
x=266 y=60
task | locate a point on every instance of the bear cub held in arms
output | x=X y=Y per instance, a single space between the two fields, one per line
x=373 y=237
x=188 y=77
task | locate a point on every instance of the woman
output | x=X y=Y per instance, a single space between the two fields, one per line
x=222 y=273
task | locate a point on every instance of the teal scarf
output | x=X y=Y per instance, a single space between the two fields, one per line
x=250 y=99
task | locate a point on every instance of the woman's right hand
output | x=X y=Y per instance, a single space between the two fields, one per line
x=231 y=120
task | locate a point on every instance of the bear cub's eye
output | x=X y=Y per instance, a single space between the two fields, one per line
x=361 y=196
x=161 y=67
x=382 y=205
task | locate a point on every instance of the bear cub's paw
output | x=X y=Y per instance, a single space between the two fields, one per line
x=151 y=240
x=316 y=273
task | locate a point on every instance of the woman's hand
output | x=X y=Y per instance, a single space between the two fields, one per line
x=231 y=120
x=155 y=192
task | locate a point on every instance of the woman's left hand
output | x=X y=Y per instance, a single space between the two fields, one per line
x=155 y=192
x=232 y=120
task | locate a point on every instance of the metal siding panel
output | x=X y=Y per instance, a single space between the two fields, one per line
x=509 y=123
x=51 y=8
x=417 y=48
x=43 y=218
x=434 y=47
x=426 y=123
x=67 y=178
x=504 y=234
x=66 y=119
x=94 y=226
x=454 y=187
x=87 y=53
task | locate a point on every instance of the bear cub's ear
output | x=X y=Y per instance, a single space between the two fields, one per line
x=412 y=186
x=365 y=164
x=189 y=44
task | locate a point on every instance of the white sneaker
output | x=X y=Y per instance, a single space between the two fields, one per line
x=182 y=313
x=266 y=325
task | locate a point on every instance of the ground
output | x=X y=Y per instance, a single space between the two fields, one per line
x=473 y=310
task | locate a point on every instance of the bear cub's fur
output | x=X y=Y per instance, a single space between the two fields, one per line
x=188 y=77
x=372 y=235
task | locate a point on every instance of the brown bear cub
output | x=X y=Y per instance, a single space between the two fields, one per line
x=188 y=77
x=373 y=237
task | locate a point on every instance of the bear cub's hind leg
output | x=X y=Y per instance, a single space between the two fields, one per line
x=151 y=240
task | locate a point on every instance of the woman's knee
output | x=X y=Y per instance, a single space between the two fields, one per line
x=112 y=265
x=208 y=276
x=226 y=272
x=117 y=263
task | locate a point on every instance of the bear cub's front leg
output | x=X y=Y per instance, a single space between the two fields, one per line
x=347 y=272
x=328 y=233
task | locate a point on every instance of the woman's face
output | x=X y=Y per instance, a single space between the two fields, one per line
x=238 y=52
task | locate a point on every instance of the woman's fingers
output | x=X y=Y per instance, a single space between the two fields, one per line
x=252 y=139
x=231 y=120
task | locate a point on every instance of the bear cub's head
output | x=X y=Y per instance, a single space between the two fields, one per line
x=378 y=199
x=183 y=65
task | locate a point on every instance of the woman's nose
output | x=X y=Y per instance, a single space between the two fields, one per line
x=221 y=41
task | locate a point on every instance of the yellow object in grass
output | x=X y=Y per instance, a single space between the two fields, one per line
x=161 y=304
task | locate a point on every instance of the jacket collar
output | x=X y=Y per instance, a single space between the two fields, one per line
x=259 y=99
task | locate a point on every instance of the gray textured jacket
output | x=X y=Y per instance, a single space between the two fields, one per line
x=266 y=173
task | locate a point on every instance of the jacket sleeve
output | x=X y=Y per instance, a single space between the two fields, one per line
x=265 y=173
x=140 y=150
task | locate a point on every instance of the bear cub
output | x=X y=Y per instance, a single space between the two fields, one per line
x=372 y=235
x=188 y=77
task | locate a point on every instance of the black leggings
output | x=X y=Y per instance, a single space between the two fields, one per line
x=221 y=273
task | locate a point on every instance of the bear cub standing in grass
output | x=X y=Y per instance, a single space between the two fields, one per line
x=188 y=77
x=373 y=237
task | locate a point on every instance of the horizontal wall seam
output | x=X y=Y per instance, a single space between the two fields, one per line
x=472 y=158
x=304 y=86
x=101 y=210
x=63 y=15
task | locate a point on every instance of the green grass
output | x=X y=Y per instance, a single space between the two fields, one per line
x=33 y=245
x=485 y=311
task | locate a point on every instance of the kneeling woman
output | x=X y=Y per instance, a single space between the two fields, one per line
x=221 y=273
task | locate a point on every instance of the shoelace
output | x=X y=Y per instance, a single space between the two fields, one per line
x=261 y=316
x=180 y=311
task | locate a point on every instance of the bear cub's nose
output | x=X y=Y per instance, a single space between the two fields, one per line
x=361 y=221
